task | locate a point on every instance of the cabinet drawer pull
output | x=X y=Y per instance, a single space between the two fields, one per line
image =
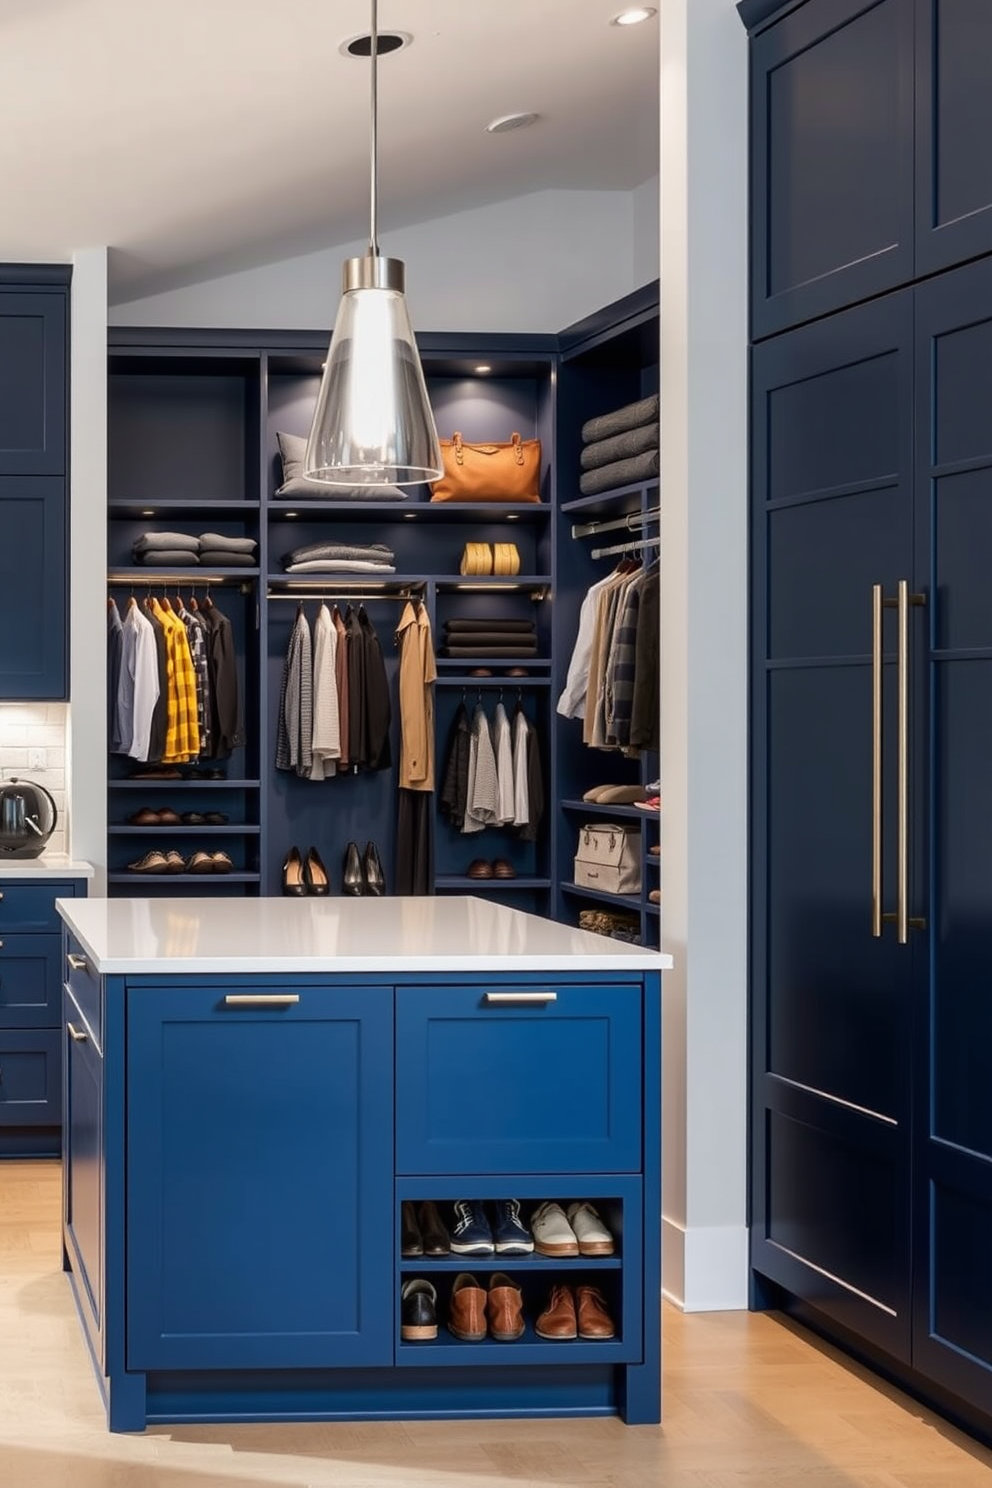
x=502 y=998
x=261 y=999
x=77 y=1034
x=77 y=963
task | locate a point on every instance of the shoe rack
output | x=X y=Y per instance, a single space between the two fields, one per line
x=619 y=1277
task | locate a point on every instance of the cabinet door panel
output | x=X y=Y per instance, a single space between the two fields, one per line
x=33 y=584
x=30 y=1078
x=30 y=991
x=82 y=1162
x=953 y=126
x=32 y=382
x=832 y=183
x=260 y=1180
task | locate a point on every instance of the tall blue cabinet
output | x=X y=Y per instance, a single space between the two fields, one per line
x=871 y=644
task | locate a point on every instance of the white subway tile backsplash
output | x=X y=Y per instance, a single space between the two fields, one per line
x=28 y=726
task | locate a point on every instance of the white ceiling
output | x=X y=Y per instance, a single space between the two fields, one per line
x=194 y=136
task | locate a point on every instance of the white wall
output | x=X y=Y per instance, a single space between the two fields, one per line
x=704 y=658
x=87 y=733
x=534 y=263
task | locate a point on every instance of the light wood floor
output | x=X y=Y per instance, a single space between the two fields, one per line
x=748 y=1403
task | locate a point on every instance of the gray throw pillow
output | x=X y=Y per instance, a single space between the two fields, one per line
x=293 y=451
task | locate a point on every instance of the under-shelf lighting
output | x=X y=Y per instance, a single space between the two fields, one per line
x=484 y=368
x=634 y=16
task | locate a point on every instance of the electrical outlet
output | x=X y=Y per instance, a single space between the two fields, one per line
x=36 y=759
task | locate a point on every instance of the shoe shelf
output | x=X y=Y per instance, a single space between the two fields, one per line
x=624 y=901
x=152 y=784
x=191 y=829
x=460 y=882
x=504 y=683
x=605 y=810
x=447 y=1351
x=427 y=1265
x=124 y=876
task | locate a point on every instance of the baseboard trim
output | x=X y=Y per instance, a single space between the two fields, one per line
x=704 y=1268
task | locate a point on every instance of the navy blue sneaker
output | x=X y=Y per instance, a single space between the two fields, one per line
x=471 y=1234
x=512 y=1235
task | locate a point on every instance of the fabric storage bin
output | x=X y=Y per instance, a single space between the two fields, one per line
x=608 y=858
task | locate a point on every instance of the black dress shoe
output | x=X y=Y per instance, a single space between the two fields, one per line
x=435 y=1237
x=375 y=879
x=354 y=880
x=411 y=1240
x=418 y=1310
x=315 y=874
x=292 y=874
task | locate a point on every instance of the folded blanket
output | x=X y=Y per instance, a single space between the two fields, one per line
x=620 y=447
x=216 y=542
x=339 y=565
x=168 y=558
x=224 y=559
x=475 y=651
x=173 y=541
x=492 y=622
x=631 y=416
x=621 y=473
x=370 y=552
x=486 y=638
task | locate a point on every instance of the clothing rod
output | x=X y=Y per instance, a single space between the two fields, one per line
x=180 y=581
x=628 y=547
x=630 y=521
x=347 y=597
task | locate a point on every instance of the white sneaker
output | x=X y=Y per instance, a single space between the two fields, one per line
x=593 y=1237
x=553 y=1235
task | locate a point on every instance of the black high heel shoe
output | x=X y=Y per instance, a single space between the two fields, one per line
x=292 y=874
x=375 y=879
x=354 y=880
x=315 y=874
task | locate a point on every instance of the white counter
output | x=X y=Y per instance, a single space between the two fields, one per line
x=157 y=936
x=49 y=865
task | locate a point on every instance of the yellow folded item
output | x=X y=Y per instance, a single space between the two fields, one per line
x=477 y=559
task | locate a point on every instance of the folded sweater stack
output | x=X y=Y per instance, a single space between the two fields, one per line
x=620 y=448
x=181 y=550
x=340 y=558
x=489 y=636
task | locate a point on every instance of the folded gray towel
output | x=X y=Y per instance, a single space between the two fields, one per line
x=620 y=473
x=370 y=552
x=631 y=416
x=168 y=558
x=339 y=565
x=491 y=622
x=218 y=543
x=620 y=447
x=149 y=541
x=223 y=559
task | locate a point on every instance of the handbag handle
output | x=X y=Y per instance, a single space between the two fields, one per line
x=515 y=440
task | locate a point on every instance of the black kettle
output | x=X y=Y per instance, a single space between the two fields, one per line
x=27 y=818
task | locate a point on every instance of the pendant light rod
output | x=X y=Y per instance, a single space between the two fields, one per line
x=374 y=150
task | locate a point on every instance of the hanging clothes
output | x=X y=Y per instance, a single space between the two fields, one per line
x=454 y=787
x=375 y=698
x=115 y=653
x=160 y=711
x=645 y=715
x=138 y=684
x=341 y=672
x=521 y=794
x=414 y=843
x=196 y=635
x=482 y=800
x=357 y=724
x=227 y=723
x=417 y=674
x=503 y=751
x=618 y=618
x=295 y=729
x=326 y=740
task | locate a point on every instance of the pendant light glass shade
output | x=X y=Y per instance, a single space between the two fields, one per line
x=373 y=424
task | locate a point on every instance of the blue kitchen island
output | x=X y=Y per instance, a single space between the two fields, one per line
x=253 y=1088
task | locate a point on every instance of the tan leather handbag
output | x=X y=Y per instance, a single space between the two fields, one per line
x=490 y=472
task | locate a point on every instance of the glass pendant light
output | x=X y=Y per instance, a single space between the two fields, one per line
x=373 y=424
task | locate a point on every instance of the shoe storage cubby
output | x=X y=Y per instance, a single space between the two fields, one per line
x=618 y=1278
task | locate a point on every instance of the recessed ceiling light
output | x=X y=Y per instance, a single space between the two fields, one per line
x=483 y=367
x=290 y=514
x=409 y=516
x=634 y=16
x=361 y=46
x=506 y=122
x=148 y=512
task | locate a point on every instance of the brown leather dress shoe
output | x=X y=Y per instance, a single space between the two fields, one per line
x=505 y=1308
x=467 y=1313
x=503 y=869
x=437 y=1241
x=479 y=868
x=558 y=1318
x=146 y=817
x=594 y=1320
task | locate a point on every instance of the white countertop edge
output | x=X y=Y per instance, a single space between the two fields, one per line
x=485 y=966
x=52 y=865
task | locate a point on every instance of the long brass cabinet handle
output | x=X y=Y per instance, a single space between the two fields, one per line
x=261 y=999
x=901 y=918
x=523 y=998
x=77 y=1034
x=77 y=963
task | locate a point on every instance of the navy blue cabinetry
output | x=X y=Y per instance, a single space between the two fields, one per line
x=259 y=1166
x=954 y=123
x=82 y=1207
x=831 y=158
x=33 y=380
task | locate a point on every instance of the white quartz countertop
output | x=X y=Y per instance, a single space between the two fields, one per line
x=393 y=935
x=49 y=865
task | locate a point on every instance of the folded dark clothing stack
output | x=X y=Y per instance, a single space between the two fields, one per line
x=489 y=636
x=620 y=448
x=181 y=549
x=341 y=557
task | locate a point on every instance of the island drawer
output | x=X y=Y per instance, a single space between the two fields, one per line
x=31 y=906
x=84 y=984
x=29 y=981
x=30 y=1077
x=499 y=1078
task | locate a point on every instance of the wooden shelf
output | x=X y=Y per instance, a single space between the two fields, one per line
x=621 y=901
x=607 y=500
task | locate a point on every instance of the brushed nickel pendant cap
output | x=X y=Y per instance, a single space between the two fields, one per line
x=372 y=271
